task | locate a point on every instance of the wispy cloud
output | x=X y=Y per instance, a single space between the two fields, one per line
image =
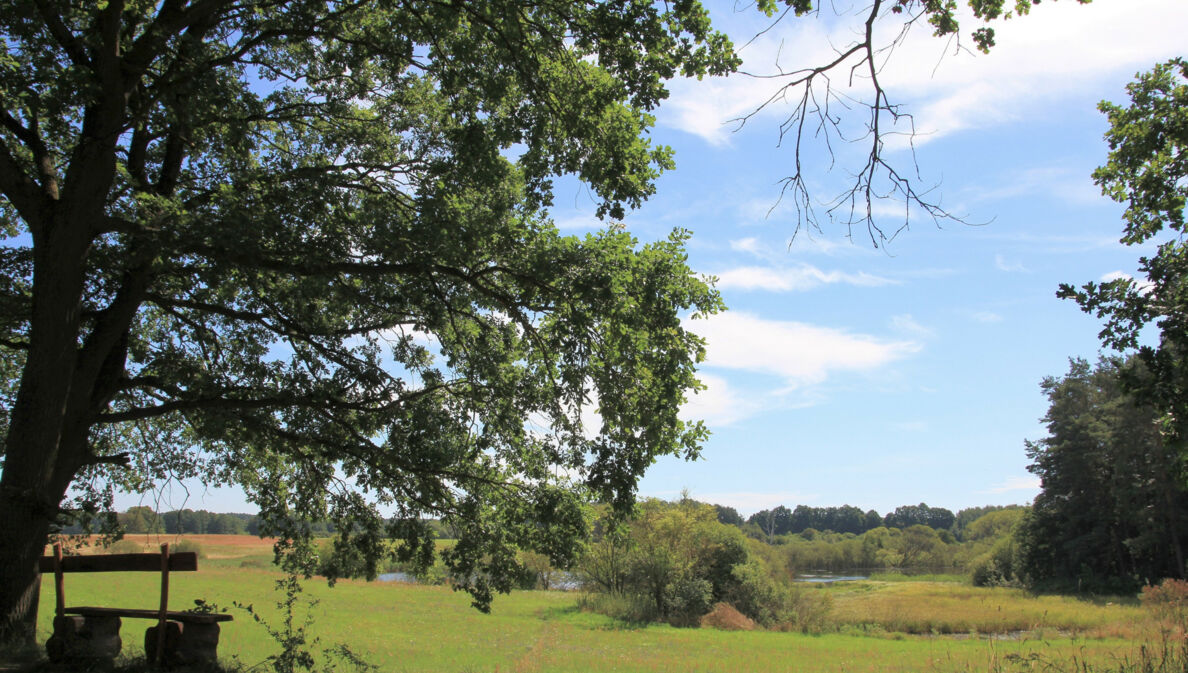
x=986 y=317
x=1009 y=265
x=749 y=245
x=1061 y=181
x=719 y=404
x=1017 y=483
x=799 y=354
x=906 y=324
x=793 y=279
x=579 y=222
x=1055 y=51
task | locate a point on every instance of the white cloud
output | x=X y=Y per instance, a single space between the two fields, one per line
x=906 y=324
x=1143 y=286
x=804 y=277
x=1029 y=483
x=719 y=404
x=749 y=245
x=798 y=353
x=986 y=317
x=580 y=222
x=1009 y=265
x=1057 y=50
x=1116 y=275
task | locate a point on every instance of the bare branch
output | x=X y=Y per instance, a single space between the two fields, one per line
x=877 y=179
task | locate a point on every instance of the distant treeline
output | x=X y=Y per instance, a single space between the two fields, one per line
x=145 y=520
x=780 y=520
x=140 y=520
x=765 y=524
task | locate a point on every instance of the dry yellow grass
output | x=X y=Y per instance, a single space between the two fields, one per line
x=935 y=607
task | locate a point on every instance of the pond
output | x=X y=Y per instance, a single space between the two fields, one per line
x=826 y=576
x=559 y=580
x=397 y=577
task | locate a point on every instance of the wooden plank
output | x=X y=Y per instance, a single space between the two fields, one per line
x=59 y=581
x=98 y=563
x=161 y=613
x=190 y=617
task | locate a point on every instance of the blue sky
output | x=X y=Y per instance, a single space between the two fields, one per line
x=845 y=374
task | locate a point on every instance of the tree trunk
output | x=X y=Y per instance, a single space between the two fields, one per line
x=23 y=533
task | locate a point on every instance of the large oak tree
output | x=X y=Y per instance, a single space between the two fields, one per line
x=300 y=245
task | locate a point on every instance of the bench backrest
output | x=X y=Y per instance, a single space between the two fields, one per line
x=101 y=563
x=163 y=563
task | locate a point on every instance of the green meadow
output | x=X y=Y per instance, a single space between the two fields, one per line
x=872 y=626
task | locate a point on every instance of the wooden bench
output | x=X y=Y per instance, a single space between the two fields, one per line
x=92 y=634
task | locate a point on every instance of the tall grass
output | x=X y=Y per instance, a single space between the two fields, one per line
x=949 y=608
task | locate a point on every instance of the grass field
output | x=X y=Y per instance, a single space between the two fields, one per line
x=874 y=626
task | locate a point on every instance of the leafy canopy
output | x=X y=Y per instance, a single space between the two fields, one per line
x=303 y=246
x=1147 y=170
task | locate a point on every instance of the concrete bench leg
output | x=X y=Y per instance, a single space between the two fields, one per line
x=185 y=644
x=84 y=640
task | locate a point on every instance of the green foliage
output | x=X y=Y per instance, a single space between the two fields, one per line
x=304 y=247
x=686 y=599
x=1112 y=514
x=1147 y=169
x=676 y=556
x=998 y=567
x=906 y=516
x=675 y=561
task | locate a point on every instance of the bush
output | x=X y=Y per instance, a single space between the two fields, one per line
x=997 y=567
x=124 y=547
x=1167 y=602
x=758 y=596
x=182 y=546
x=687 y=599
x=809 y=610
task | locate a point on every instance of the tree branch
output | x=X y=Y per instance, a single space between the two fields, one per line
x=73 y=46
x=857 y=202
x=20 y=189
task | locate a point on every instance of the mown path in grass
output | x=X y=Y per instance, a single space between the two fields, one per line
x=410 y=628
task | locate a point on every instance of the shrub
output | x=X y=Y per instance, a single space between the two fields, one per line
x=997 y=567
x=758 y=596
x=187 y=546
x=808 y=610
x=687 y=599
x=1167 y=602
x=124 y=547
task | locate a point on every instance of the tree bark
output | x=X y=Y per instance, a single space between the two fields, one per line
x=23 y=534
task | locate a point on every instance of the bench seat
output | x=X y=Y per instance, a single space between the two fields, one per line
x=184 y=617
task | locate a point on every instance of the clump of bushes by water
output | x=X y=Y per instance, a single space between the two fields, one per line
x=674 y=562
